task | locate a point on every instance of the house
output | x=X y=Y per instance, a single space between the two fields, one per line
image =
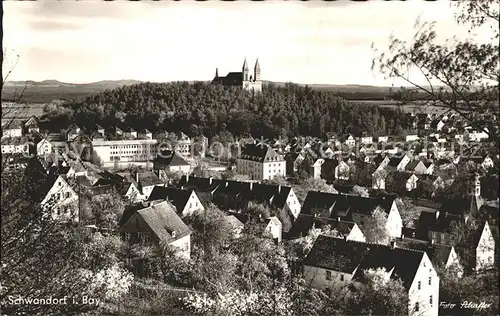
x=12 y=129
x=61 y=200
x=366 y=140
x=101 y=131
x=186 y=202
x=343 y=229
x=260 y=162
x=31 y=125
x=129 y=132
x=477 y=136
x=171 y=161
x=236 y=195
x=437 y=227
x=203 y=187
x=158 y=224
x=293 y=161
x=145 y=134
x=353 y=208
x=132 y=193
x=73 y=131
x=342 y=171
x=315 y=169
x=482 y=256
x=183 y=144
x=44 y=148
x=335 y=263
x=411 y=182
x=271 y=225
x=416 y=166
x=411 y=138
x=440 y=255
x=378 y=179
x=429 y=165
x=350 y=141
x=16 y=145
x=383 y=139
x=147 y=181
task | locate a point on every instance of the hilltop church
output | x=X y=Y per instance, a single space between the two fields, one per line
x=241 y=79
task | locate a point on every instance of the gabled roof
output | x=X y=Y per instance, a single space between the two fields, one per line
x=164 y=221
x=306 y=222
x=259 y=153
x=437 y=253
x=412 y=165
x=169 y=158
x=337 y=254
x=147 y=179
x=403 y=263
x=394 y=161
x=231 y=219
x=199 y=184
x=179 y=198
x=342 y=204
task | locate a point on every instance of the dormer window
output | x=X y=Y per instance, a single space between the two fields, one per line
x=173 y=234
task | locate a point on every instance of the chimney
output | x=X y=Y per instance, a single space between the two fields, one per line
x=437 y=214
x=137 y=176
x=251 y=185
x=210 y=180
x=338 y=219
x=345 y=237
x=187 y=177
x=182 y=187
x=279 y=188
x=393 y=244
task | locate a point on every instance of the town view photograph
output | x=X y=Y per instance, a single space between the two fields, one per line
x=280 y=158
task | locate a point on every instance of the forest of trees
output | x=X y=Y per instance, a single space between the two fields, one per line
x=208 y=109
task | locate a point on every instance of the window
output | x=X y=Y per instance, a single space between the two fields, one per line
x=127 y=236
x=328 y=275
x=430 y=280
x=66 y=195
x=430 y=300
x=417 y=308
x=341 y=277
x=419 y=285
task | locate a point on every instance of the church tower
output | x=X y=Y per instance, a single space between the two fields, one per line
x=256 y=70
x=245 y=71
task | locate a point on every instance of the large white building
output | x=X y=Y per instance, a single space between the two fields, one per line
x=260 y=162
x=127 y=150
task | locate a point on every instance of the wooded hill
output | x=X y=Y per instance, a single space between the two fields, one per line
x=208 y=109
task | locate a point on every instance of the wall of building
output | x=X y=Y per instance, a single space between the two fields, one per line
x=422 y=295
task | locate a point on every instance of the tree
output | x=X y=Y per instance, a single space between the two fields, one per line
x=473 y=288
x=42 y=258
x=375 y=229
x=379 y=295
x=408 y=212
x=466 y=71
x=312 y=184
x=360 y=191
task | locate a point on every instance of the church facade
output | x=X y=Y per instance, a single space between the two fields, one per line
x=245 y=79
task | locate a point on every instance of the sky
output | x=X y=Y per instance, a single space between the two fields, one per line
x=303 y=42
